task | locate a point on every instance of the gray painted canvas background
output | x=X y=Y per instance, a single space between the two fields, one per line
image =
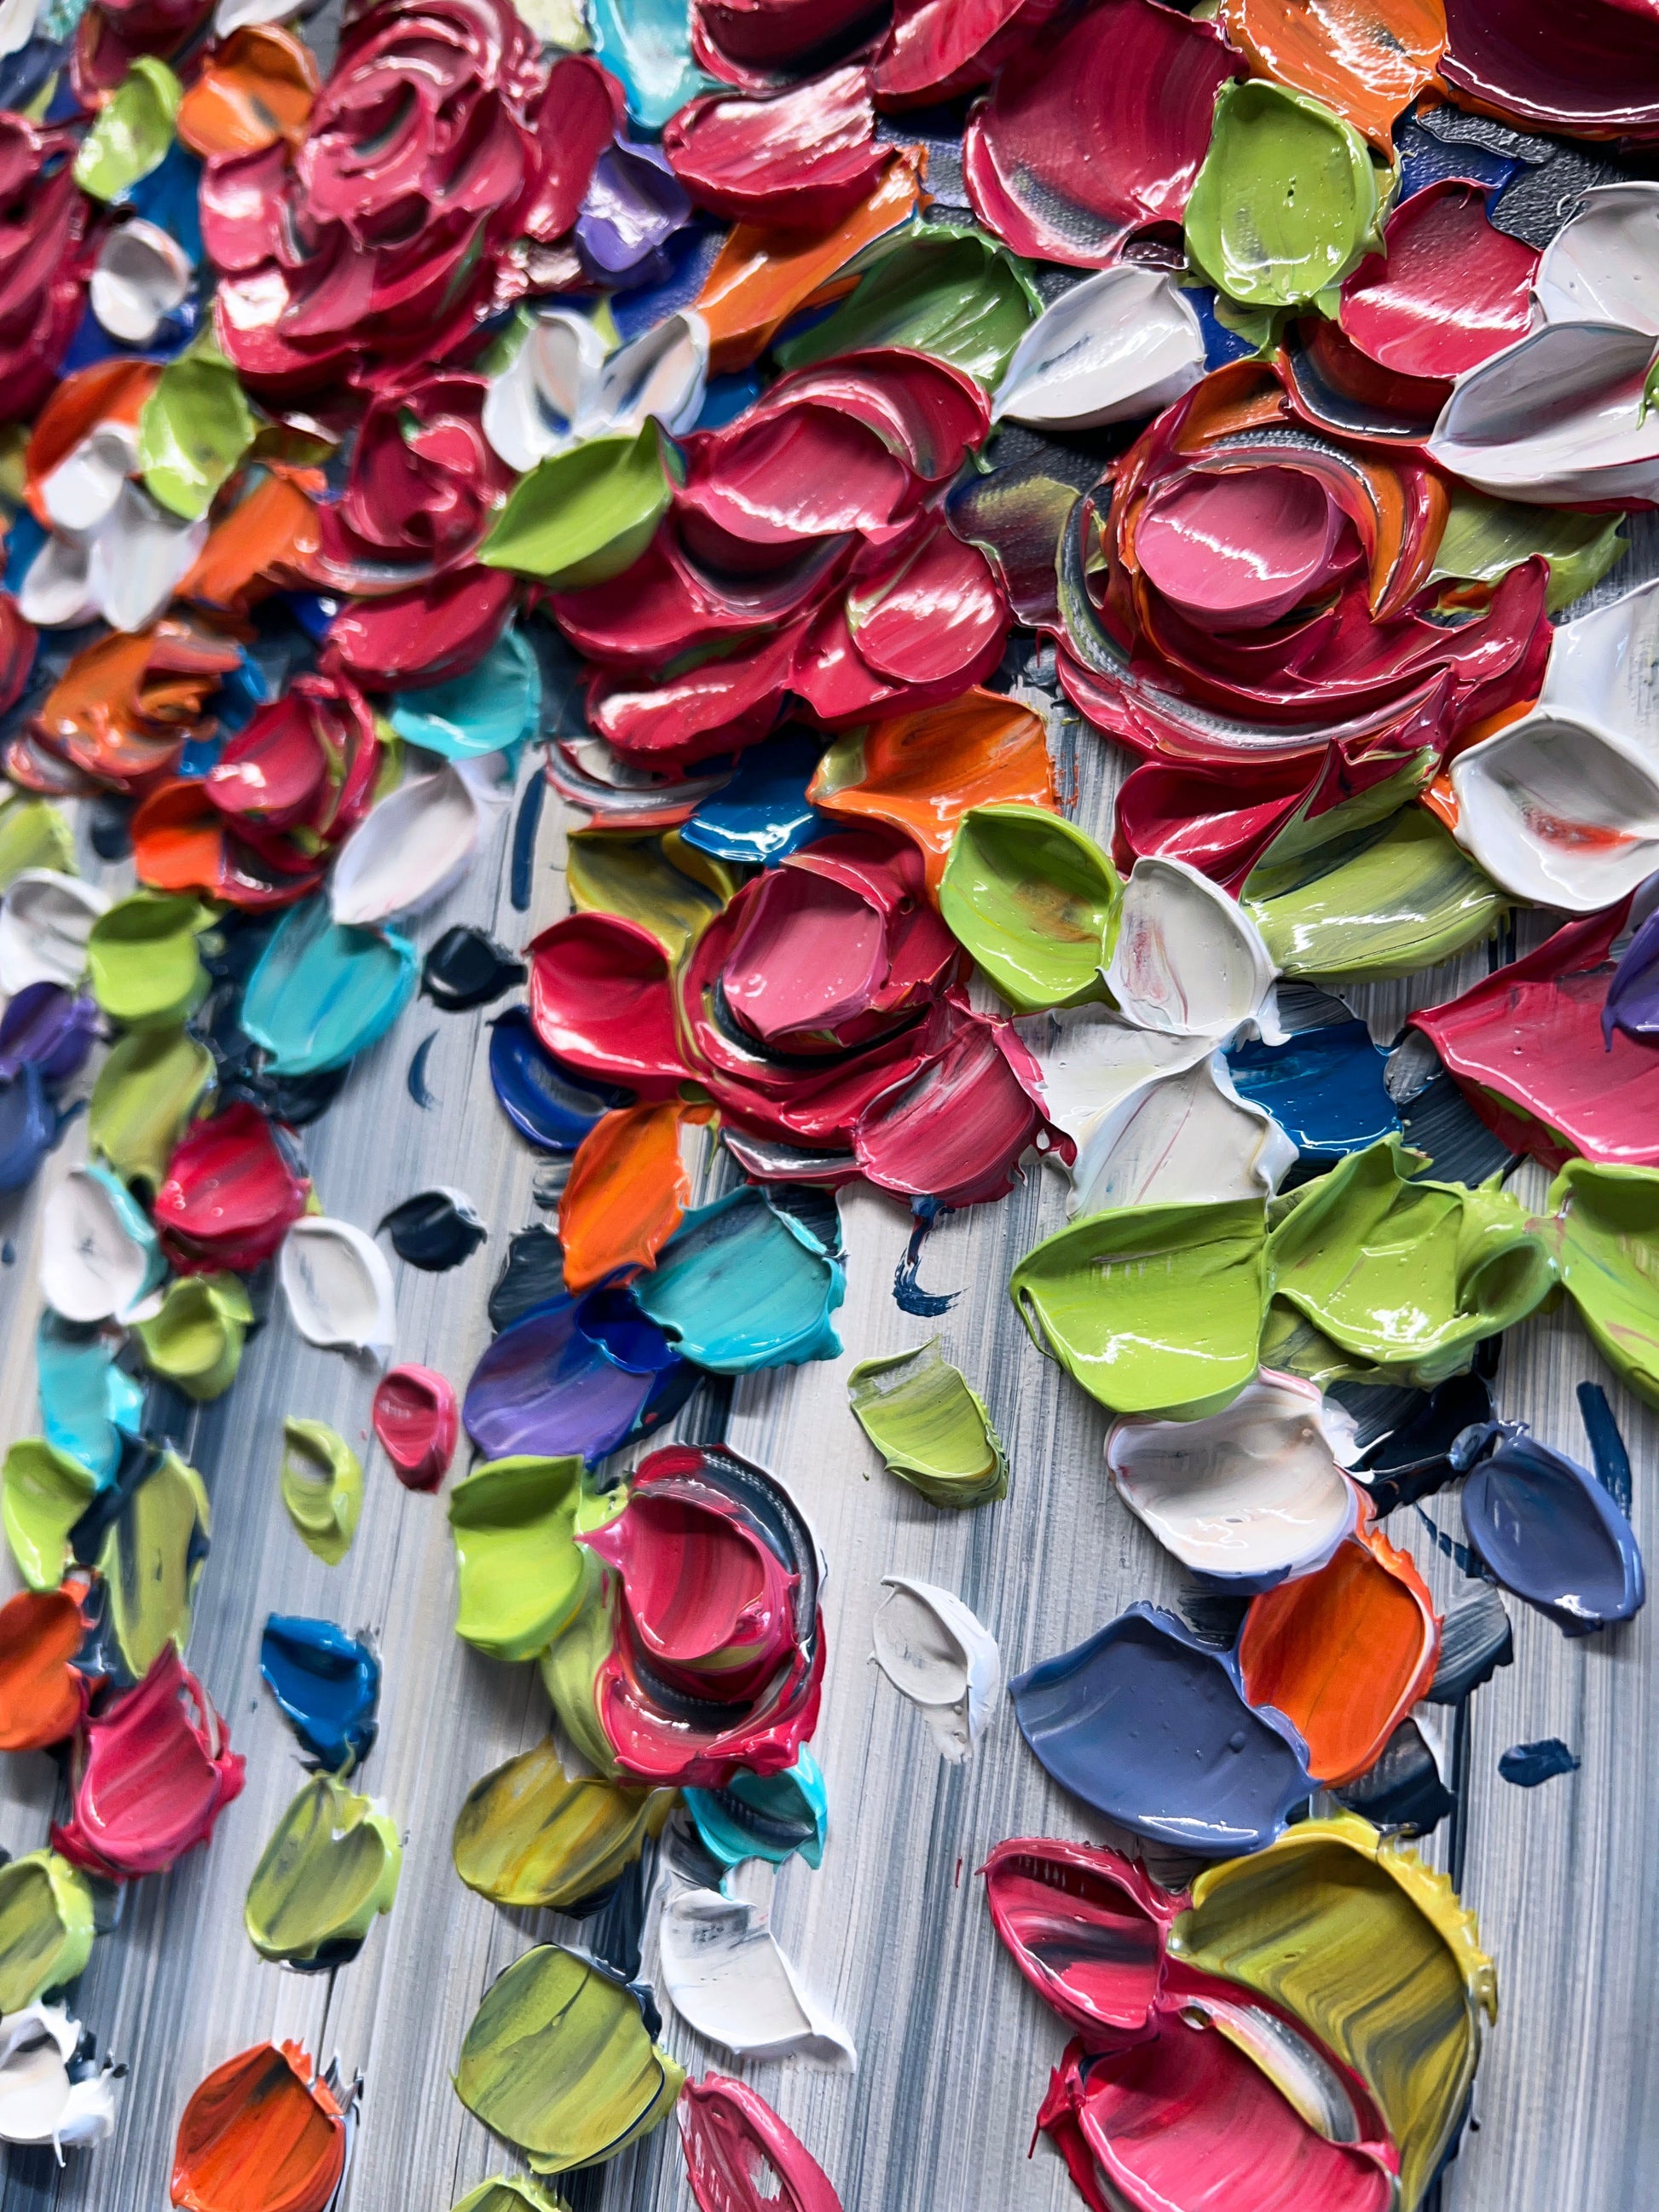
x=891 y=1933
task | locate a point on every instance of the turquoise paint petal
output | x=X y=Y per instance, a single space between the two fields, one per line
x=321 y=993
x=765 y=1816
x=495 y=706
x=648 y=44
x=742 y=1286
x=87 y=1403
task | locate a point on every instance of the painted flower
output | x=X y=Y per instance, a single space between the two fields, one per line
x=695 y=1687
x=441 y=152
x=806 y=545
x=259 y=828
x=823 y=1011
x=422 y=486
x=43 y=265
x=1250 y=605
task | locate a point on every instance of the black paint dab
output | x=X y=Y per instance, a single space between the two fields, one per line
x=467 y=968
x=434 y=1230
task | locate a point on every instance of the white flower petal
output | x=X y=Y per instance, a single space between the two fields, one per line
x=1116 y=347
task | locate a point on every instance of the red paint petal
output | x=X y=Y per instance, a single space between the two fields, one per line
x=740 y=2157
x=154 y=1772
x=1099 y=133
x=938 y=48
x=807 y=156
x=418 y=1421
x=230 y=1194
x=955 y=1130
x=428 y=635
x=1087 y=1927
x=600 y=1000
x=1451 y=292
x=1509 y=57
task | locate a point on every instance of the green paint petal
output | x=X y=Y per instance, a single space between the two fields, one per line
x=144 y=965
x=1292 y=1345
x=529 y=1835
x=322 y=1483
x=34 y=834
x=932 y=1428
x=558 y=2061
x=329 y=1868
x=1385 y=903
x=151 y=1562
x=145 y=1096
x=584 y=515
x=45 y=1927
x=1485 y=538
x=955 y=294
x=1293 y=854
x=43 y=1494
x=1035 y=902
x=195 y=1340
x=570 y=1666
x=505 y=2192
x=1604 y=1231
x=665 y=885
x=1153 y=1309
x=1287 y=202
x=132 y=131
x=1410 y=1275
x=521 y=1574
x=196 y=427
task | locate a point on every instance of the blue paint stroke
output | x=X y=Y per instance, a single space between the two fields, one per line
x=648 y=44
x=1449 y=1545
x=1323 y=1086
x=761 y=815
x=328 y=1684
x=322 y=992
x=523 y=840
x=577 y=1378
x=491 y=709
x=1526 y=1764
x=417 y=1077
x=908 y=1293
x=1150 y=1725
x=87 y=1405
x=764 y=1816
x=1606 y=1445
x=1551 y=1533
x=554 y=1107
x=744 y=1283
x=1475 y=1641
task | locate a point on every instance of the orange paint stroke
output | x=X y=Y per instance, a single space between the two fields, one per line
x=126 y=703
x=258 y=87
x=1344 y=1654
x=763 y=274
x=921 y=772
x=109 y=391
x=259 y=2135
x=42 y=1697
x=1368 y=59
x=262 y=544
x=627 y=1193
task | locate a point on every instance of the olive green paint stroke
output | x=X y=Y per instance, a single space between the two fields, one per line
x=1291 y=856
x=1485 y=538
x=143 y=960
x=45 y=1927
x=331 y=1866
x=1290 y=1345
x=152 y=1560
x=509 y=2192
x=933 y=1430
x=1153 y=1309
x=584 y=515
x=196 y=427
x=953 y=293
x=146 y=1093
x=570 y=1666
x=1411 y=1275
x=322 y=1483
x=34 y=834
x=1383 y=902
x=665 y=885
x=529 y=1834
x=131 y=132
x=1036 y=902
x=43 y=1494
x=1353 y=1934
x=1604 y=1231
x=1288 y=200
x=521 y=1573
x=196 y=1338
x=558 y=2061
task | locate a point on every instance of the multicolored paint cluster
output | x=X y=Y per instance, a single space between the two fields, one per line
x=833 y=389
